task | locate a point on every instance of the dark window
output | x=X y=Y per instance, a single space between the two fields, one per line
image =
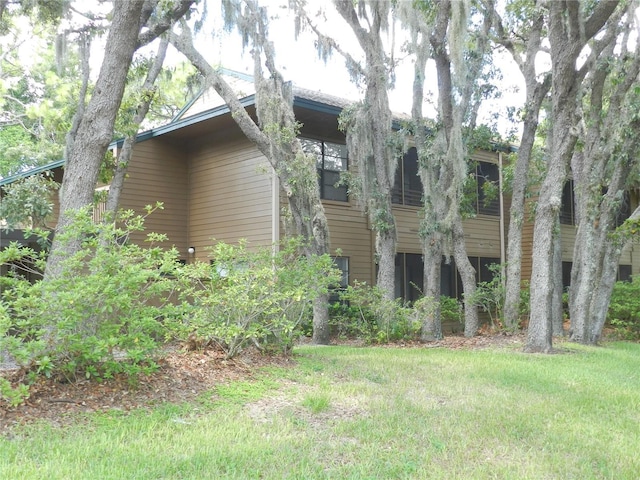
x=409 y=276
x=568 y=207
x=407 y=188
x=331 y=161
x=448 y=278
x=566 y=275
x=624 y=273
x=451 y=282
x=342 y=264
x=487 y=181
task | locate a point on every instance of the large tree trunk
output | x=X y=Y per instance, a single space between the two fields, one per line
x=540 y=331
x=535 y=94
x=468 y=276
x=431 y=328
x=95 y=129
x=368 y=134
x=568 y=34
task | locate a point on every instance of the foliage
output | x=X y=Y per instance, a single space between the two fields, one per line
x=257 y=296
x=27 y=203
x=489 y=296
x=450 y=309
x=624 y=309
x=364 y=312
x=102 y=316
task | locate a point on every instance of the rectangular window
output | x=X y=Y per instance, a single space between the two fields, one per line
x=331 y=161
x=566 y=275
x=624 y=273
x=407 y=187
x=342 y=264
x=487 y=184
x=451 y=282
x=409 y=276
x=568 y=206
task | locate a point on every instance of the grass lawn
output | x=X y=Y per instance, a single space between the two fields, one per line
x=370 y=413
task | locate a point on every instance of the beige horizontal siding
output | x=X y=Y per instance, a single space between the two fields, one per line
x=482 y=236
x=158 y=173
x=230 y=195
x=349 y=232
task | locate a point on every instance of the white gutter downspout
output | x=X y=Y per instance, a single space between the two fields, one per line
x=503 y=255
x=275 y=211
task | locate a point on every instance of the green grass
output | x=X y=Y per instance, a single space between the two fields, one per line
x=369 y=413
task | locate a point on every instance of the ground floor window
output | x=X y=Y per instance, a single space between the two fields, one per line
x=409 y=276
x=451 y=282
x=410 y=271
x=342 y=264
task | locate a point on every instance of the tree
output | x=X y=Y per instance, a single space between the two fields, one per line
x=368 y=124
x=92 y=130
x=147 y=94
x=27 y=203
x=459 y=57
x=527 y=19
x=37 y=93
x=571 y=28
x=604 y=169
x=275 y=134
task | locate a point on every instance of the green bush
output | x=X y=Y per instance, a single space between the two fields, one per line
x=102 y=315
x=451 y=310
x=624 y=309
x=252 y=296
x=366 y=314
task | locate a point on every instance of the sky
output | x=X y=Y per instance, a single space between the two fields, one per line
x=299 y=62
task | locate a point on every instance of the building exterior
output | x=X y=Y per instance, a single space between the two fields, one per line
x=215 y=184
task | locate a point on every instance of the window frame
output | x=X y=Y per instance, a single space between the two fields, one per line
x=402 y=193
x=493 y=208
x=321 y=167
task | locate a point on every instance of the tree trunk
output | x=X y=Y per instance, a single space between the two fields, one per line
x=540 y=331
x=557 y=303
x=535 y=94
x=124 y=157
x=431 y=329
x=468 y=275
x=95 y=129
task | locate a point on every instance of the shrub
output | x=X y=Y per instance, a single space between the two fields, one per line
x=365 y=313
x=257 y=296
x=451 y=310
x=489 y=296
x=103 y=313
x=624 y=309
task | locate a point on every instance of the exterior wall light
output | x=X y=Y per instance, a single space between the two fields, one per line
x=191 y=250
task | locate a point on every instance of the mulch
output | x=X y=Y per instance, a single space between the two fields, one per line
x=182 y=377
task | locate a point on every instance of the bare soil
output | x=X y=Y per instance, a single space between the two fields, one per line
x=182 y=377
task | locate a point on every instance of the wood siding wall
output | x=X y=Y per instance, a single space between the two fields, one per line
x=230 y=193
x=158 y=173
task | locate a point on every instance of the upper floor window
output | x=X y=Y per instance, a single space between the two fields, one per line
x=487 y=184
x=568 y=206
x=407 y=188
x=331 y=161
